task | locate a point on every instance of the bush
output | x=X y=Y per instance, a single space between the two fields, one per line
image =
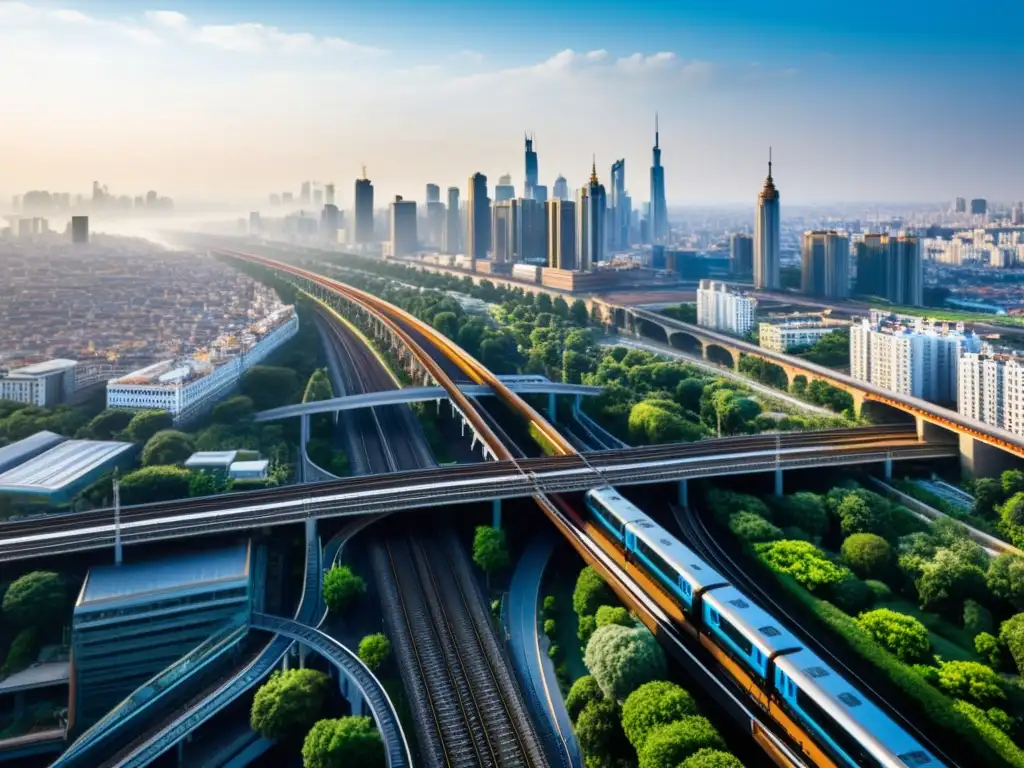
x=599 y=733
x=990 y=649
x=622 y=659
x=550 y=606
x=145 y=424
x=711 y=758
x=585 y=629
x=1005 y=579
x=342 y=587
x=852 y=595
x=651 y=706
x=349 y=741
x=1011 y=633
x=288 y=703
x=867 y=554
x=583 y=691
x=669 y=745
x=903 y=636
x=550 y=628
x=1008 y=752
x=490 y=549
x=977 y=618
x=1001 y=720
x=23 y=652
x=803 y=561
x=608 y=614
x=553 y=651
x=590 y=593
x=971 y=680
x=168 y=446
x=36 y=599
x=151 y=484
x=374 y=650
x=879 y=589
x=754 y=528
x=803 y=510
x=232 y=411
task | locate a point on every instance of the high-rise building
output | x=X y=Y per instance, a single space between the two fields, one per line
x=433 y=193
x=330 y=223
x=435 y=223
x=504 y=190
x=504 y=220
x=909 y=355
x=960 y=205
x=989 y=387
x=560 y=191
x=363 y=223
x=659 y=208
x=478 y=219
x=741 y=254
x=591 y=209
x=540 y=193
x=531 y=231
x=619 y=207
x=329 y=194
x=825 y=264
x=403 y=227
x=561 y=216
x=1017 y=214
x=530 y=180
x=452 y=225
x=255 y=225
x=80 y=230
x=303 y=195
x=766 y=235
x=979 y=206
x=724 y=310
x=891 y=268
x=287 y=197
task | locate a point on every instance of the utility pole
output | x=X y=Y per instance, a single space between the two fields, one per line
x=117 y=519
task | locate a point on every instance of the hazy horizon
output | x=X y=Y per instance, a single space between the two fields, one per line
x=218 y=101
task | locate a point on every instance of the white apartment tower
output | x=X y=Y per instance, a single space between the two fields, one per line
x=991 y=389
x=724 y=310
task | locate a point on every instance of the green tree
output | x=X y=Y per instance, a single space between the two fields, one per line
x=947 y=581
x=608 y=614
x=342 y=587
x=23 y=652
x=652 y=705
x=233 y=411
x=1005 y=579
x=988 y=494
x=578 y=312
x=446 y=323
x=584 y=629
x=145 y=424
x=151 y=484
x=622 y=659
x=903 y=636
x=803 y=561
x=867 y=554
x=288 y=703
x=349 y=742
x=599 y=733
x=36 y=599
x=670 y=745
x=711 y=758
x=1012 y=481
x=269 y=386
x=106 y=424
x=977 y=618
x=202 y=484
x=583 y=691
x=374 y=650
x=1012 y=511
x=862 y=513
x=753 y=528
x=1011 y=634
x=575 y=365
x=851 y=595
x=803 y=510
x=971 y=681
x=168 y=446
x=318 y=387
x=990 y=649
x=654 y=423
x=590 y=593
x=490 y=549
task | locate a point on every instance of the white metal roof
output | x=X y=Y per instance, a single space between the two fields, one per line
x=61 y=466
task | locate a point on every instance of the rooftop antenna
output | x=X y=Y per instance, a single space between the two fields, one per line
x=769 y=161
x=364 y=172
x=655 y=129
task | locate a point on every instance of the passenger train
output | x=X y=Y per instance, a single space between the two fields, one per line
x=848 y=726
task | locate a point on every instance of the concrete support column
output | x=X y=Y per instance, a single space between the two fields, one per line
x=496 y=513
x=778 y=481
x=303 y=653
x=684 y=493
x=552 y=410
x=181 y=752
x=888 y=467
x=979 y=459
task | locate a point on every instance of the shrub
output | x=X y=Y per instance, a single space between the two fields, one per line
x=803 y=510
x=977 y=618
x=490 y=549
x=374 y=650
x=754 y=528
x=550 y=628
x=852 y=595
x=342 y=587
x=607 y=614
x=288 y=703
x=867 y=554
x=553 y=651
x=583 y=691
x=550 y=606
x=651 y=706
x=711 y=758
x=1008 y=752
x=803 y=561
x=599 y=733
x=36 y=599
x=168 y=446
x=349 y=741
x=1011 y=633
x=1001 y=720
x=590 y=593
x=1005 y=579
x=990 y=649
x=23 y=652
x=669 y=745
x=622 y=659
x=971 y=680
x=585 y=629
x=880 y=589
x=903 y=636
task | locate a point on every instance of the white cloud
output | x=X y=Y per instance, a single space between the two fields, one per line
x=16 y=15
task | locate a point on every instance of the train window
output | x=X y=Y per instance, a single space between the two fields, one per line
x=656 y=560
x=849 y=699
x=817 y=672
x=605 y=515
x=735 y=635
x=915 y=758
x=740 y=603
x=844 y=740
x=769 y=631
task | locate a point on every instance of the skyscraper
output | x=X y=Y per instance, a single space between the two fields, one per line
x=80 y=230
x=561 y=217
x=504 y=190
x=363 y=224
x=766 y=235
x=531 y=231
x=433 y=193
x=303 y=195
x=979 y=206
x=329 y=189
x=403 y=227
x=659 y=208
x=531 y=169
x=741 y=254
x=891 y=268
x=452 y=229
x=620 y=207
x=540 y=193
x=435 y=223
x=960 y=205
x=561 y=189
x=825 y=260
x=592 y=206
x=478 y=219
x=504 y=220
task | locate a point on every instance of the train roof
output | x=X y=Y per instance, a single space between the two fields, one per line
x=628 y=510
x=692 y=568
x=854 y=711
x=759 y=626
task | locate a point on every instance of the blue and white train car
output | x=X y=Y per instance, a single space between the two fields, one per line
x=851 y=725
x=613 y=511
x=747 y=631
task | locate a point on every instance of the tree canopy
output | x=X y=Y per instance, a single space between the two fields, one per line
x=145 y=424
x=903 y=636
x=490 y=549
x=288 y=703
x=669 y=745
x=652 y=705
x=803 y=561
x=342 y=587
x=621 y=659
x=590 y=593
x=158 y=483
x=168 y=446
x=374 y=650
x=582 y=692
x=36 y=599
x=348 y=742
x=867 y=554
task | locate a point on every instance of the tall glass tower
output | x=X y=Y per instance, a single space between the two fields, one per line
x=531 y=169
x=766 y=235
x=659 y=209
x=620 y=208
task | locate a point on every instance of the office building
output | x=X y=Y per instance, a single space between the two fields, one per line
x=724 y=310
x=330 y=223
x=979 y=206
x=303 y=195
x=478 y=218
x=561 y=218
x=1017 y=214
x=909 y=355
x=255 y=226
x=433 y=193
x=620 y=205
x=658 y=259
x=286 y=198
x=318 y=198
x=44 y=384
x=560 y=191
x=329 y=194
x=80 y=230
x=531 y=177
x=363 y=219
x=891 y=268
x=531 y=232
x=784 y=335
x=741 y=254
x=135 y=619
x=540 y=193
x=659 y=208
x=504 y=190
x=825 y=264
x=435 y=223
x=505 y=218
x=960 y=205
x=591 y=209
x=403 y=227
x=991 y=389
x=766 y=235
x=452 y=224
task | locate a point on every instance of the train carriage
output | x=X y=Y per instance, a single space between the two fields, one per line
x=746 y=630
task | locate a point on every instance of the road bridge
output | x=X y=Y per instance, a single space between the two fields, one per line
x=984 y=449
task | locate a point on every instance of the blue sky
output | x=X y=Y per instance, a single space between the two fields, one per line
x=896 y=101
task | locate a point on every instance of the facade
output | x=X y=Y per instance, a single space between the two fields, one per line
x=781 y=337
x=80 y=230
x=825 y=260
x=478 y=218
x=403 y=227
x=979 y=206
x=891 y=268
x=330 y=223
x=188 y=387
x=44 y=384
x=433 y=193
x=530 y=232
x=504 y=189
x=540 y=193
x=741 y=254
x=560 y=191
x=531 y=176
x=960 y=205
x=57 y=474
x=910 y=356
x=766 y=236
x=591 y=235
x=724 y=310
x=452 y=242
x=505 y=219
x=134 y=620
x=991 y=389
x=329 y=194
x=363 y=224
x=435 y=224
x=561 y=234
x=619 y=208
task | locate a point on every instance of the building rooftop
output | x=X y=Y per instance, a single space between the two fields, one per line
x=249 y=467
x=40 y=675
x=18 y=453
x=60 y=466
x=208 y=459
x=45 y=367
x=145 y=581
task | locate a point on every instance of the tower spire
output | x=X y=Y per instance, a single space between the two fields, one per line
x=593 y=172
x=655 y=130
x=769 y=162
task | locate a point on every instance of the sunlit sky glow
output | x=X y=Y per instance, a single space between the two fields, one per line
x=890 y=101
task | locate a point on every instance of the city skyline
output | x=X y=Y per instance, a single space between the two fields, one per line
x=159 y=98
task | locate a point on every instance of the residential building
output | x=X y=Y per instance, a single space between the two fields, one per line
x=44 y=384
x=478 y=218
x=825 y=259
x=363 y=219
x=561 y=219
x=403 y=227
x=724 y=310
x=991 y=389
x=891 y=268
x=782 y=336
x=766 y=236
x=741 y=254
